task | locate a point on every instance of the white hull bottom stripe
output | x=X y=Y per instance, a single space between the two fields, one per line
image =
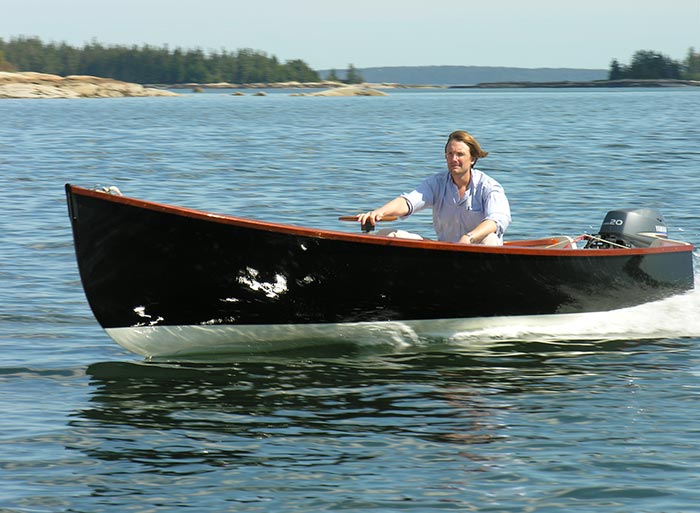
x=176 y=342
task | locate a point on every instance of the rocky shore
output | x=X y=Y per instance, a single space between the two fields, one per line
x=351 y=90
x=44 y=85
x=327 y=88
x=325 y=84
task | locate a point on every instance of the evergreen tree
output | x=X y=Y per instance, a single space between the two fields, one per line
x=692 y=65
x=4 y=65
x=333 y=76
x=353 y=76
x=646 y=64
x=616 y=72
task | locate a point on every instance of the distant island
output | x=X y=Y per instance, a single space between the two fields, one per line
x=628 y=82
x=472 y=75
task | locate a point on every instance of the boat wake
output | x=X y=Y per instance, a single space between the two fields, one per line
x=669 y=318
x=673 y=317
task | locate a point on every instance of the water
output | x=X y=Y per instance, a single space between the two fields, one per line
x=591 y=415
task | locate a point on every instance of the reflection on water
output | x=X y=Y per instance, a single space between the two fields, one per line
x=354 y=430
x=434 y=397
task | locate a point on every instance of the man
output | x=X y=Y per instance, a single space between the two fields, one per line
x=468 y=206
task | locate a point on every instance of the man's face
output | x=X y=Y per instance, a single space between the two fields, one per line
x=459 y=159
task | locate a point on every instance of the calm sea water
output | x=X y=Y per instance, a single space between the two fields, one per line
x=599 y=415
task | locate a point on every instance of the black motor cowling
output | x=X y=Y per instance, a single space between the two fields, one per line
x=630 y=228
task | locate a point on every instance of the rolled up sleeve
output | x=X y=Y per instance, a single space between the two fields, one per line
x=497 y=208
x=422 y=197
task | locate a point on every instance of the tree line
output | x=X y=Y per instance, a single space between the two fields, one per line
x=149 y=64
x=152 y=65
x=647 y=64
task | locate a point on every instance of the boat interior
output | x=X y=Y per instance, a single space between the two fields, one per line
x=589 y=242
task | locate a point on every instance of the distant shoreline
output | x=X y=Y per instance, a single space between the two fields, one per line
x=483 y=85
x=590 y=83
x=41 y=85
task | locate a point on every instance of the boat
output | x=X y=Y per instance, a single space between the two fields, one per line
x=166 y=281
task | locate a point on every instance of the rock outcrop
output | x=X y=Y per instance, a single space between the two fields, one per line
x=258 y=85
x=351 y=90
x=44 y=85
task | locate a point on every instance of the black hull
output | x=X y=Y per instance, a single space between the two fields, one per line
x=146 y=264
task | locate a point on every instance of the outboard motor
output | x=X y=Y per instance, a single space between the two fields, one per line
x=630 y=228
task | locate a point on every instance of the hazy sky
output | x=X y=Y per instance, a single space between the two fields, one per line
x=367 y=33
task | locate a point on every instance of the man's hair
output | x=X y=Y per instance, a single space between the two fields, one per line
x=468 y=139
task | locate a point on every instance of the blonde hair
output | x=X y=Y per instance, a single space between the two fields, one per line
x=468 y=139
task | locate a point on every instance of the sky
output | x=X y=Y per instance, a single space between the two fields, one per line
x=333 y=34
